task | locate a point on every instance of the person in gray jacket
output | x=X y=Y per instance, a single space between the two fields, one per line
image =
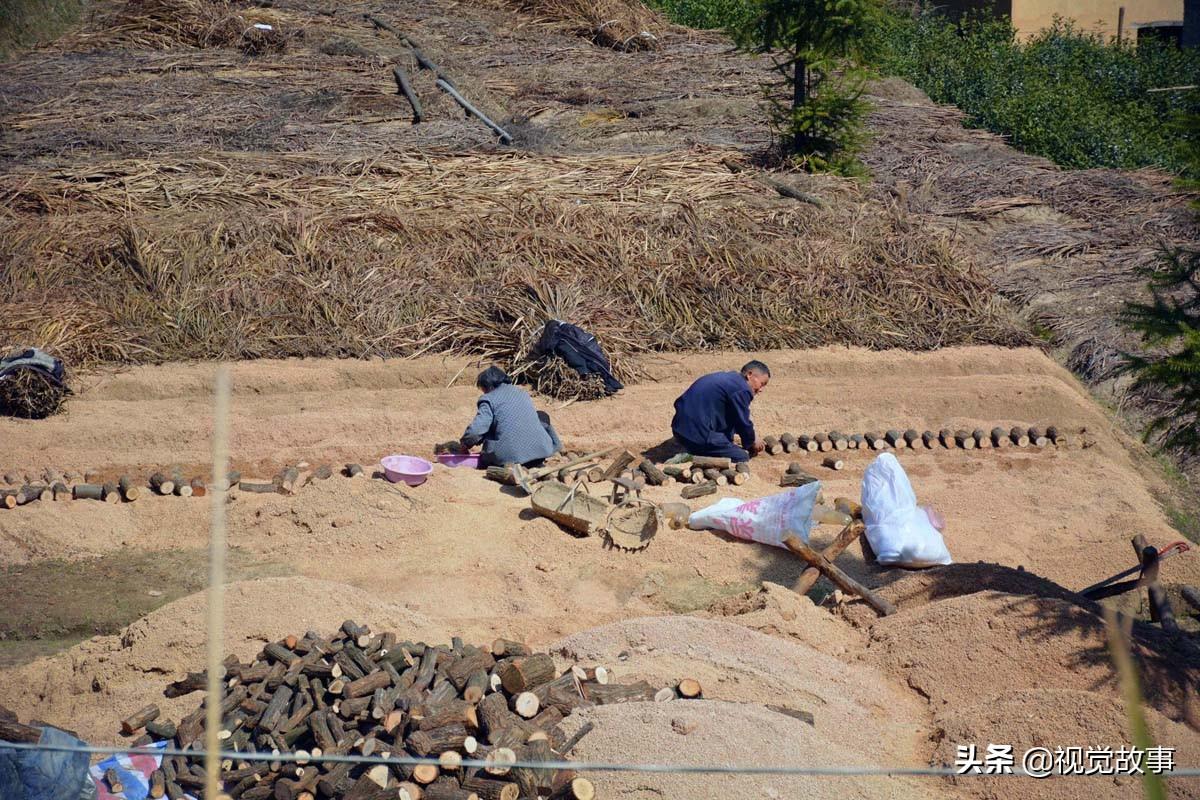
x=509 y=428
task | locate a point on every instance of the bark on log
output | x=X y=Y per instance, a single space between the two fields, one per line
x=875 y=441
x=711 y=462
x=257 y=486
x=929 y=439
x=823 y=442
x=608 y=694
x=946 y=436
x=839 y=578
x=716 y=476
x=88 y=491
x=895 y=439
x=61 y=491
x=964 y=440
x=161 y=729
x=491 y=788
x=832 y=462
x=734 y=477
x=789 y=441
x=654 y=475
x=1000 y=438
x=698 y=490
x=436 y=740
x=1019 y=436
x=911 y=437
x=794 y=479
x=353 y=471
x=772 y=445
x=368 y=684
x=563 y=692
x=839 y=440
x=1059 y=439
x=614 y=470
x=502 y=648
x=13 y=731
x=112 y=495
x=460 y=671
x=810 y=575
x=679 y=472
x=807 y=444
x=856 y=441
x=1037 y=438
x=576 y=789
x=404 y=87
x=982 y=439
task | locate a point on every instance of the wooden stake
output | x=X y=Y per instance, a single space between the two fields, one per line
x=839 y=578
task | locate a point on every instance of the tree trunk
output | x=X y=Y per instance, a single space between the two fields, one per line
x=799 y=98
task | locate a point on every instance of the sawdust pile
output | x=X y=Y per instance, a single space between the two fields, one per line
x=92 y=686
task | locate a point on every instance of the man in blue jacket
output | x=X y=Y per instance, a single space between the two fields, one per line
x=716 y=407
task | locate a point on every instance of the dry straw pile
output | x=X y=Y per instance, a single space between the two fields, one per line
x=620 y=24
x=272 y=255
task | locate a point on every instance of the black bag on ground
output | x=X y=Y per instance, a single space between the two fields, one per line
x=578 y=348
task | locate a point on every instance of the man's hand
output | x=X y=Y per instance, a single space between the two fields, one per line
x=757 y=447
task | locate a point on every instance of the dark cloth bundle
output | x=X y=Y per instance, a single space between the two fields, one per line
x=578 y=348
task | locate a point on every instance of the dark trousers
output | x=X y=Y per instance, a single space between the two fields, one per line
x=716 y=447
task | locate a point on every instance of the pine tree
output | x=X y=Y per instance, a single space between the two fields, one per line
x=821 y=119
x=1170 y=329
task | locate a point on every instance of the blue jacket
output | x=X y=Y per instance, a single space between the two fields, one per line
x=714 y=408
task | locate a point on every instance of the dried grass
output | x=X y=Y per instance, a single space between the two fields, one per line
x=163 y=24
x=625 y=25
x=231 y=256
x=28 y=394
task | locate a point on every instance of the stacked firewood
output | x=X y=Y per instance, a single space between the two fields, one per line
x=362 y=693
x=1016 y=436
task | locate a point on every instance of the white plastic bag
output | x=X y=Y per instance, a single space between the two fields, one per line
x=899 y=531
x=768 y=520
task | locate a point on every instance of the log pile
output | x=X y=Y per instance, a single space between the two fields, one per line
x=50 y=485
x=896 y=439
x=364 y=693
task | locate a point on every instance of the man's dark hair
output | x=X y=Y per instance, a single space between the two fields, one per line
x=490 y=378
x=755 y=366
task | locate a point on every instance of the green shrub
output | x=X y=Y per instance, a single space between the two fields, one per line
x=1064 y=94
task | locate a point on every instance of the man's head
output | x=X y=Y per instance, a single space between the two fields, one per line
x=491 y=378
x=757 y=375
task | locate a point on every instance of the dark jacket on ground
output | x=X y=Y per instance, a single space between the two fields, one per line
x=713 y=409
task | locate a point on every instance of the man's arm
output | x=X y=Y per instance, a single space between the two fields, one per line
x=741 y=418
x=480 y=425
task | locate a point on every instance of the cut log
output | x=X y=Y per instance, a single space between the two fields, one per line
x=614 y=470
x=161 y=729
x=257 y=486
x=61 y=491
x=505 y=648
x=88 y=491
x=734 y=477
x=500 y=761
x=112 y=494
x=575 y=789
x=1019 y=436
x=199 y=487
x=772 y=445
x=1037 y=438
x=794 y=479
x=158 y=784
x=1000 y=438
x=525 y=704
x=526 y=672
x=113 y=780
x=716 y=476
x=680 y=472
x=689 y=689
x=654 y=475
x=13 y=731
x=8 y=499
x=711 y=462
x=929 y=439
x=437 y=740
x=839 y=578
x=368 y=684
x=964 y=440
x=807 y=443
x=895 y=439
x=698 y=490
x=129 y=489
x=847 y=536
x=353 y=471
x=665 y=695
x=564 y=692
x=839 y=440
x=875 y=441
x=856 y=441
x=593 y=674
x=182 y=488
x=137 y=721
x=982 y=439
x=1059 y=439
x=823 y=442
x=911 y=437
x=595 y=474
x=491 y=789
x=946 y=437
x=789 y=441
x=161 y=484
x=500 y=475
x=832 y=462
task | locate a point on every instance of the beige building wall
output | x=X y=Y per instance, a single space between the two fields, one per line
x=1099 y=16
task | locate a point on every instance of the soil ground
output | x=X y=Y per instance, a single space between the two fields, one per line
x=462 y=555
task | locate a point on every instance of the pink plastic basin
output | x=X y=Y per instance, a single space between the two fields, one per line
x=459 y=459
x=409 y=469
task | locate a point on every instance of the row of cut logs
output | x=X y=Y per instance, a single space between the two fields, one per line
x=24 y=488
x=363 y=693
x=1017 y=436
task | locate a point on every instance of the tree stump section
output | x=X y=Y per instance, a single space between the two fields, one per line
x=964 y=440
x=833 y=463
x=772 y=445
x=1019 y=437
x=946 y=437
x=1037 y=438
x=1000 y=438
x=698 y=490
